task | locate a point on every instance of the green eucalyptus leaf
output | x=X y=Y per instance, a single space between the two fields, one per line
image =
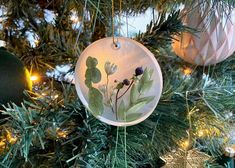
x=96 y=101
x=146 y=75
x=150 y=73
x=146 y=99
x=88 y=83
x=91 y=62
x=96 y=75
x=136 y=107
x=145 y=82
x=133 y=116
x=146 y=86
x=143 y=79
x=134 y=94
x=121 y=110
x=92 y=75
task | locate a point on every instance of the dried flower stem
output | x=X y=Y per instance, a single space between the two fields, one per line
x=116 y=102
x=107 y=86
x=126 y=89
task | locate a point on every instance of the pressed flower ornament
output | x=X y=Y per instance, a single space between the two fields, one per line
x=121 y=83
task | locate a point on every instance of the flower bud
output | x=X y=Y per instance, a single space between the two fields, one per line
x=110 y=68
x=139 y=71
x=126 y=82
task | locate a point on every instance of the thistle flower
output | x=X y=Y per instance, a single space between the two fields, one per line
x=110 y=68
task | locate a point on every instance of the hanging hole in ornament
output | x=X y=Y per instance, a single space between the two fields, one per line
x=116 y=45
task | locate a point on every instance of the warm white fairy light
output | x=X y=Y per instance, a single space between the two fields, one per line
x=187 y=71
x=56 y=96
x=44 y=94
x=185 y=144
x=61 y=133
x=36 y=42
x=34 y=78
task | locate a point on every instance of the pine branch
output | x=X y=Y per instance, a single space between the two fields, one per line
x=161 y=33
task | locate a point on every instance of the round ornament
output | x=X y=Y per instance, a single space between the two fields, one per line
x=14 y=78
x=215 y=40
x=120 y=84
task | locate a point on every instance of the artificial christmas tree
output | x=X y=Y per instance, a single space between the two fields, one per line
x=52 y=128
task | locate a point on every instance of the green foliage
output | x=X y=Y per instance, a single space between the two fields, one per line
x=134 y=94
x=137 y=102
x=132 y=116
x=93 y=75
x=160 y=33
x=121 y=110
x=96 y=101
x=136 y=107
x=145 y=83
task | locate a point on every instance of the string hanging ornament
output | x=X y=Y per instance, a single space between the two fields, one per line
x=118 y=80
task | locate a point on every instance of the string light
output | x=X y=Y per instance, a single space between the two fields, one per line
x=203 y=133
x=61 y=133
x=10 y=137
x=34 y=78
x=187 y=71
x=2 y=144
x=185 y=144
x=36 y=41
x=55 y=96
x=44 y=94
x=200 y=133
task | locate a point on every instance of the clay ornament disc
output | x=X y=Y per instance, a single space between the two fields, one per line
x=119 y=84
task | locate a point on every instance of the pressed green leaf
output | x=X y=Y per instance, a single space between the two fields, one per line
x=88 y=83
x=136 y=107
x=91 y=62
x=96 y=75
x=150 y=73
x=96 y=101
x=93 y=75
x=134 y=94
x=121 y=110
x=146 y=99
x=146 y=86
x=144 y=82
x=133 y=116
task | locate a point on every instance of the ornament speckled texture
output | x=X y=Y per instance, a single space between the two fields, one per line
x=214 y=43
x=120 y=85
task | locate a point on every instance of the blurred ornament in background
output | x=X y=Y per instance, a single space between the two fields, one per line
x=214 y=40
x=119 y=82
x=14 y=78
